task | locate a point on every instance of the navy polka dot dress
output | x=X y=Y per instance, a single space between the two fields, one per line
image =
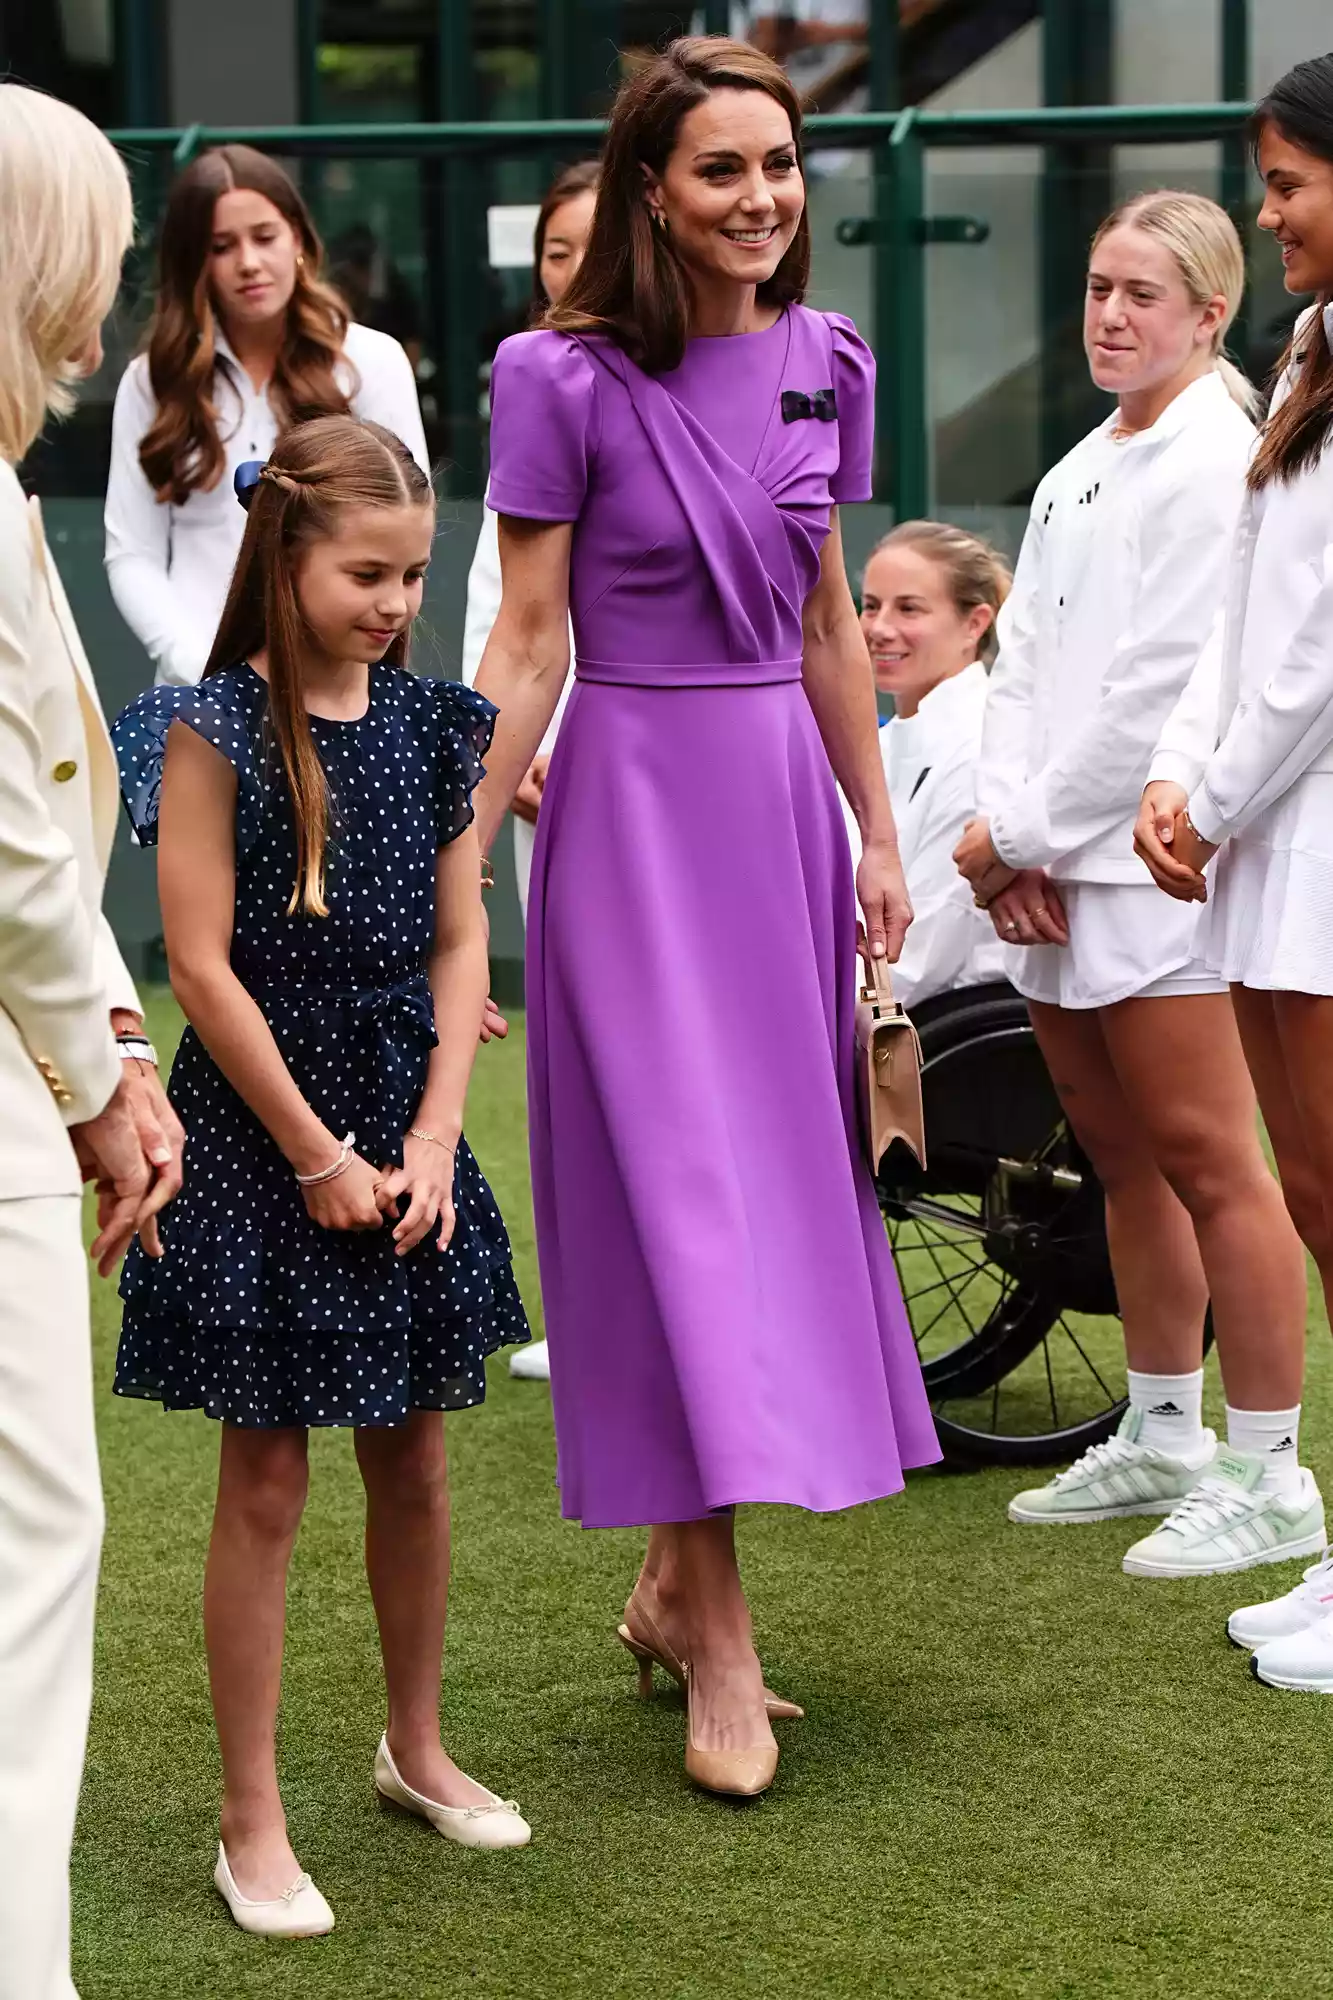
x=255 y=1314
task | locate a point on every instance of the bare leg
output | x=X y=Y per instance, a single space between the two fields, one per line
x=1300 y=1026
x=262 y=1480
x=407 y=1561
x=692 y=1586
x=1158 y=1272
x=1182 y=1070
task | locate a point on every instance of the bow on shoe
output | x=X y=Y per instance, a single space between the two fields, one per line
x=823 y=406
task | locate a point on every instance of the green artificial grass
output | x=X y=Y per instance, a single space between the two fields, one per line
x=1022 y=1772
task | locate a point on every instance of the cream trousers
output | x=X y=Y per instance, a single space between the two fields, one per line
x=50 y=1542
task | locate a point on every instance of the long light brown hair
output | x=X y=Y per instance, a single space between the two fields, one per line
x=317 y=470
x=631 y=284
x=1300 y=107
x=181 y=451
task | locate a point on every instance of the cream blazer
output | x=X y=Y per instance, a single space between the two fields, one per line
x=60 y=970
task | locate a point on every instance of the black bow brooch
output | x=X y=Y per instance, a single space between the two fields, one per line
x=796 y=404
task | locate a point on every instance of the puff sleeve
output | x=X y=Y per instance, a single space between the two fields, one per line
x=215 y=710
x=854 y=389
x=544 y=423
x=464 y=725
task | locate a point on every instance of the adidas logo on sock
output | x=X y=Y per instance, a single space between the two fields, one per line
x=1288 y=1444
x=1169 y=1409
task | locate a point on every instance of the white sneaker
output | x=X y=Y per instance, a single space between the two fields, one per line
x=1228 y=1523
x=532 y=1363
x=1119 y=1477
x=1302 y=1662
x=1312 y=1599
x=299 y=1912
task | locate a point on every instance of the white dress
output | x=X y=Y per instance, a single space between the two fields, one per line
x=1121 y=573
x=1251 y=740
x=930 y=762
x=483 y=603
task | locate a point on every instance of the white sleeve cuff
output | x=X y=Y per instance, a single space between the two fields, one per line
x=1204 y=817
x=1018 y=836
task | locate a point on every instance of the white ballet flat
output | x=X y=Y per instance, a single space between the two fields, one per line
x=499 y=1823
x=299 y=1912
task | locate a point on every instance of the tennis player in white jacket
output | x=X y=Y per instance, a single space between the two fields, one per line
x=1122 y=569
x=1246 y=765
x=930 y=597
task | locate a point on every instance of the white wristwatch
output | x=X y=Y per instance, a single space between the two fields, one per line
x=136 y=1048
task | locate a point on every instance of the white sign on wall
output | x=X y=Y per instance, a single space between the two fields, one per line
x=509 y=233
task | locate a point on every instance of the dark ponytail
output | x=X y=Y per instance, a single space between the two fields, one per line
x=1300 y=107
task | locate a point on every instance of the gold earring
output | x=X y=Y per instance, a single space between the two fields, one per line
x=300 y=260
x=659 y=219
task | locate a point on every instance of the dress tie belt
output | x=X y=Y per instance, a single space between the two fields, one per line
x=688 y=673
x=398 y=1023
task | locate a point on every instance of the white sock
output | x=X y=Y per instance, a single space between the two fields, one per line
x=1171 y=1409
x=1274 y=1436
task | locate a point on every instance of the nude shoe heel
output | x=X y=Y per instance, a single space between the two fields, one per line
x=737 y=1774
x=650 y=1649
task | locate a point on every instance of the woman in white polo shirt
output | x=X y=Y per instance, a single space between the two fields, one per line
x=246 y=338
x=1121 y=574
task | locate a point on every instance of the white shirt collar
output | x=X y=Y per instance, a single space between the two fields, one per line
x=937 y=713
x=1181 y=410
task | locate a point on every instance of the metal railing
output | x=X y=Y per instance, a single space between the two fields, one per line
x=899 y=230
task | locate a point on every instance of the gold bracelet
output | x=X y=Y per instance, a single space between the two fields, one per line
x=415 y=1132
x=487 y=872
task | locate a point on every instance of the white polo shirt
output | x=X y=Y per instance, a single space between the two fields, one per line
x=170 y=567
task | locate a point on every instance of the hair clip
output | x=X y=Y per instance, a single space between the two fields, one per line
x=246 y=479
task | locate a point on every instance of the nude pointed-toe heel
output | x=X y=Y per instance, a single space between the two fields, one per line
x=655 y=1651
x=736 y=1774
x=651 y=1650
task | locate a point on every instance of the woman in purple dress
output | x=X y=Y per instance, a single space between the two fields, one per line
x=668 y=453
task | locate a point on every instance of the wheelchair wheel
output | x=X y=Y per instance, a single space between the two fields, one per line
x=1001 y=1246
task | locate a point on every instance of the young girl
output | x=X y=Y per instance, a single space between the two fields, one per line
x=245 y=339
x=1245 y=765
x=336 y=1257
x=929 y=601
x=1123 y=567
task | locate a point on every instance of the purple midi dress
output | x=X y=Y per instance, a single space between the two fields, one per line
x=724 y=1316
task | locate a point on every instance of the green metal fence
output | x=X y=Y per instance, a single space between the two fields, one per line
x=899 y=229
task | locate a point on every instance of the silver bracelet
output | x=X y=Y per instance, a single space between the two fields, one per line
x=415 y=1132
x=340 y=1165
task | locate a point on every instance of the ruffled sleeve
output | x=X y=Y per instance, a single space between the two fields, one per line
x=216 y=710
x=465 y=723
x=854 y=385
x=544 y=425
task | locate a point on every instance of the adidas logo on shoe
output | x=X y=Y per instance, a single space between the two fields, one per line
x=1170 y=1409
x=1288 y=1444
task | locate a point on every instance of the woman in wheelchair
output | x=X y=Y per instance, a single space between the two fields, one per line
x=929 y=601
x=1122 y=570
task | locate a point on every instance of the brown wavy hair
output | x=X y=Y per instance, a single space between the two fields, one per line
x=582 y=178
x=631 y=284
x=1300 y=107
x=318 y=469
x=181 y=452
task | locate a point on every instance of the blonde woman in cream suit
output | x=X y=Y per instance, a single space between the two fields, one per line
x=76 y=1104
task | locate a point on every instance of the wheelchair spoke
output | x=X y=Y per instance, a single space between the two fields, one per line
x=1050 y=1380
x=1087 y=1359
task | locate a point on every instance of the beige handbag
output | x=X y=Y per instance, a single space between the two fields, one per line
x=888 y=1069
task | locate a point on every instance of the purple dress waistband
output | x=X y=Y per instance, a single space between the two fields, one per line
x=688 y=674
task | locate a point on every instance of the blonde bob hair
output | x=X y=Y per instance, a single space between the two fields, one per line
x=1202 y=239
x=68 y=221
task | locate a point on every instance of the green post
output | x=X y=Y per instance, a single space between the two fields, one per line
x=1235 y=81
x=885 y=95
x=1075 y=195
x=455 y=210
x=717 y=17
x=902 y=406
x=307 y=61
